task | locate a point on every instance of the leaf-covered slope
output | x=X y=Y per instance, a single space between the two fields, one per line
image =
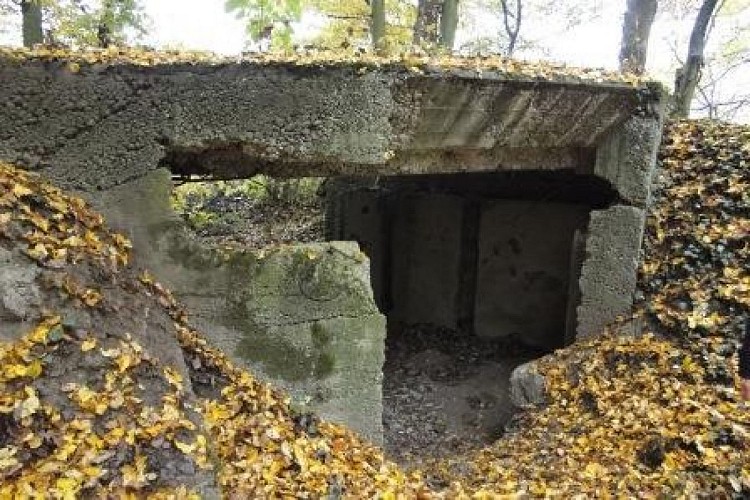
x=696 y=276
x=109 y=391
x=92 y=397
x=90 y=403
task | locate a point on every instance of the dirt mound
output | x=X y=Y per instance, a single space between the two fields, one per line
x=445 y=393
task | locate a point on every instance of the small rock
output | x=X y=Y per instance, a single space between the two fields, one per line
x=526 y=386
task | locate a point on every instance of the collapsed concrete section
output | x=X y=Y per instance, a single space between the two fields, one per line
x=490 y=250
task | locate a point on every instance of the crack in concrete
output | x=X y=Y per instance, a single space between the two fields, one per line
x=323 y=318
x=131 y=98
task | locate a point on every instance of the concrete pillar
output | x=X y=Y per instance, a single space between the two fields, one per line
x=426 y=258
x=608 y=274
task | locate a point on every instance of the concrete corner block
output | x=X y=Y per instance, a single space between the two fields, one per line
x=351 y=393
x=527 y=386
x=608 y=274
x=305 y=319
x=627 y=158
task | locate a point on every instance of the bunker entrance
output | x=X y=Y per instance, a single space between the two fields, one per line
x=477 y=273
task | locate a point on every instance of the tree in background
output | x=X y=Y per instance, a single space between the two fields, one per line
x=378 y=22
x=98 y=24
x=269 y=22
x=512 y=10
x=636 y=29
x=448 y=24
x=427 y=23
x=701 y=77
x=729 y=63
x=79 y=23
x=351 y=23
x=519 y=24
x=357 y=23
x=689 y=74
x=31 y=12
x=435 y=25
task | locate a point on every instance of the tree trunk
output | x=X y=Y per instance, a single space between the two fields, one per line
x=427 y=24
x=32 y=23
x=378 y=22
x=448 y=24
x=511 y=23
x=688 y=76
x=636 y=29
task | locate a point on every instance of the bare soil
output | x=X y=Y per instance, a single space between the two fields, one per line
x=446 y=393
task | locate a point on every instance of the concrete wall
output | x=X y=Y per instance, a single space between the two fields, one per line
x=365 y=222
x=524 y=270
x=301 y=316
x=608 y=273
x=544 y=261
x=490 y=267
x=426 y=248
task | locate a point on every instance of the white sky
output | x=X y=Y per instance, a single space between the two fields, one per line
x=195 y=24
x=205 y=25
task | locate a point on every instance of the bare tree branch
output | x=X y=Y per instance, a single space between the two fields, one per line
x=688 y=76
x=512 y=22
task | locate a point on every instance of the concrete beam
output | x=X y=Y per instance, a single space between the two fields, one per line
x=104 y=125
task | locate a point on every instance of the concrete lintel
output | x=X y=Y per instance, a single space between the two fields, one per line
x=627 y=158
x=101 y=127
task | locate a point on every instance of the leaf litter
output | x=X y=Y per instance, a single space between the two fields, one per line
x=649 y=415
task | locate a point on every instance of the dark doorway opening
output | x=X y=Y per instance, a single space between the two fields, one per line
x=477 y=274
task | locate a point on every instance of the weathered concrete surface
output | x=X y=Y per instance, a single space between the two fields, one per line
x=425 y=253
x=238 y=119
x=626 y=158
x=524 y=270
x=527 y=385
x=302 y=317
x=20 y=296
x=365 y=223
x=608 y=274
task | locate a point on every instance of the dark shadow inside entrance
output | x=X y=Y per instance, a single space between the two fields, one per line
x=477 y=274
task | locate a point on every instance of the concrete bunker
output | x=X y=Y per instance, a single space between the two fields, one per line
x=485 y=267
x=447 y=142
